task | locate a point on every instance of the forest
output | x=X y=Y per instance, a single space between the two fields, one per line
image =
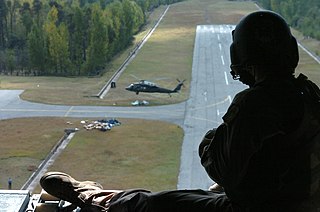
x=303 y=15
x=67 y=37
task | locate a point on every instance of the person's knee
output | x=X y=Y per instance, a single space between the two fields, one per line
x=133 y=202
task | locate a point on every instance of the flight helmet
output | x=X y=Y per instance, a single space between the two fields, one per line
x=262 y=39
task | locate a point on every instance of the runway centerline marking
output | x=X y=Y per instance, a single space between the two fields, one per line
x=222 y=60
x=226 y=78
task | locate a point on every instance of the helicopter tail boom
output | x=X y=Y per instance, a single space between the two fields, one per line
x=178 y=88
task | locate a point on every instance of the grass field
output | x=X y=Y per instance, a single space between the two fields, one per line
x=119 y=158
x=24 y=144
x=138 y=153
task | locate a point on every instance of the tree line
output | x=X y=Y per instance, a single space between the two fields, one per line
x=303 y=15
x=67 y=37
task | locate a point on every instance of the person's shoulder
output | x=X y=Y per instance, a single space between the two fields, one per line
x=246 y=96
x=237 y=105
x=247 y=102
x=242 y=95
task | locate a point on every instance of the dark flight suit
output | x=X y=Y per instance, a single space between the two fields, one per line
x=260 y=155
x=262 y=152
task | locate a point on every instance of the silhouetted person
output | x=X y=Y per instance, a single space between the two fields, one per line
x=9 y=183
x=265 y=154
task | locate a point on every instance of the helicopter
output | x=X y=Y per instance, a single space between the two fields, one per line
x=150 y=87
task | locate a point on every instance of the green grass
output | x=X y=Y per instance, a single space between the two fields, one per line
x=122 y=158
x=24 y=144
x=309 y=43
x=118 y=158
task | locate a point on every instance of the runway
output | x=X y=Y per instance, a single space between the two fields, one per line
x=212 y=90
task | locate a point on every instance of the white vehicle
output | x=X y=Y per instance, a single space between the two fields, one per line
x=138 y=103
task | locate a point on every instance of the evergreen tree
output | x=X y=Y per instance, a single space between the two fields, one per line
x=128 y=29
x=3 y=23
x=98 y=46
x=301 y=14
x=139 y=18
x=37 y=53
x=12 y=6
x=116 y=13
x=10 y=61
x=79 y=36
x=36 y=10
x=26 y=18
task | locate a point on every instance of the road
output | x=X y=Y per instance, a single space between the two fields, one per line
x=212 y=90
x=11 y=106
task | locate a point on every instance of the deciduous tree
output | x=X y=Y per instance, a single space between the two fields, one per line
x=3 y=23
x=57 y=42
x=98 y=46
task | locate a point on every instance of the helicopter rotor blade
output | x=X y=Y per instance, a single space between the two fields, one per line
x=134 y=76
x=161 y=78
x=181 y=81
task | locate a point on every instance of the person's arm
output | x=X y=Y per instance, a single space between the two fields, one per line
x=206 y=141
x=226 y=156
x=212 y=154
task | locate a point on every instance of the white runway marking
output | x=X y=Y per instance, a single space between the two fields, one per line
x=67 y=113
x=222 y=60
x=230 y=100
x=226 y=78
x=205 y=96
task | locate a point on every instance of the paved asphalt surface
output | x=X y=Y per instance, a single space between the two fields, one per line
x=212 y=90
